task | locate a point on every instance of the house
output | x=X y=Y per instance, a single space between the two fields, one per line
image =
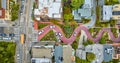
x=42 y=52
x=107 y=53
x=63 y=54
x=45 y=51
x=116 y=12
x=102 y=52
x=107 y=12
x=4 y=10
x=117 y=50
x=111 y=12
x=48 y=8
x=84 y=11
x=58 y=54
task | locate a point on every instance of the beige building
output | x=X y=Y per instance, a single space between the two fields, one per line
x=42 y=52
x=116 y=12
x=4 y=11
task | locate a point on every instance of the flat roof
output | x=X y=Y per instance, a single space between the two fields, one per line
x=50 y=8
x=58 y=54
x=85 y=12
x=41 y=52
x=88 y=3
x=107 y=12
x=107 y=53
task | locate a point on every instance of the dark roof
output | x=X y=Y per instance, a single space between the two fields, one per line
x=2 y=13
x=116 y=12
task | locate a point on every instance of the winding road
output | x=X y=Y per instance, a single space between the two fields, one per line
x=77 y=30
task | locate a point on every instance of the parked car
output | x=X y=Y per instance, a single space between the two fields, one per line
x=11 y=35
x=75 y=34
x=60 y=34
x=40 y=32
x=18 y=56
x=52 y=26
x=3 y=34
x=7 y=38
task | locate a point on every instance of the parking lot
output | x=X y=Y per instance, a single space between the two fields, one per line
x=6 y=33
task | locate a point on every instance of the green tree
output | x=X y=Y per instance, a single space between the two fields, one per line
x=76 y=3
x=102 y=40
x=68 y=17
x=67 y=10
x=74 y=45
x=54 y=21
x=90 y=56
x=90 y=42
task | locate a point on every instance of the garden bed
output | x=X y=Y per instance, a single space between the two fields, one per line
x=49 y=37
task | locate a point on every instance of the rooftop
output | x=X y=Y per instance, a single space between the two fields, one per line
x=107 y=12
x=2 y=13
x=108 y=51
x=84 y=12
x=58 y=54
x=116 y=12
x=50 y=8
x=42 y=52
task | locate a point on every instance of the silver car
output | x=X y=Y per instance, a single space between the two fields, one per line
x=40 y=32
x=52 y=26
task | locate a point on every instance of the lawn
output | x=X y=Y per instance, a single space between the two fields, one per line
x=49 y=37
x=40 y=26
x=7 y=52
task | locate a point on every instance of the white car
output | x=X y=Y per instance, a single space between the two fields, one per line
x=18 y=56
x=40 y=32
x=52 y=26
x=60 y=34
x=75 y=34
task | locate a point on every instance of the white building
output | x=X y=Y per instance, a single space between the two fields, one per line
x=49 y=8
x=107 y=12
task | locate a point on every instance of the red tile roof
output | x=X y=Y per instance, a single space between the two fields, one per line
x=2 y=13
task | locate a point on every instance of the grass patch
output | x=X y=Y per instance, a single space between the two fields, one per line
x=7 y=52
x=49 y=37
x=40 y=26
